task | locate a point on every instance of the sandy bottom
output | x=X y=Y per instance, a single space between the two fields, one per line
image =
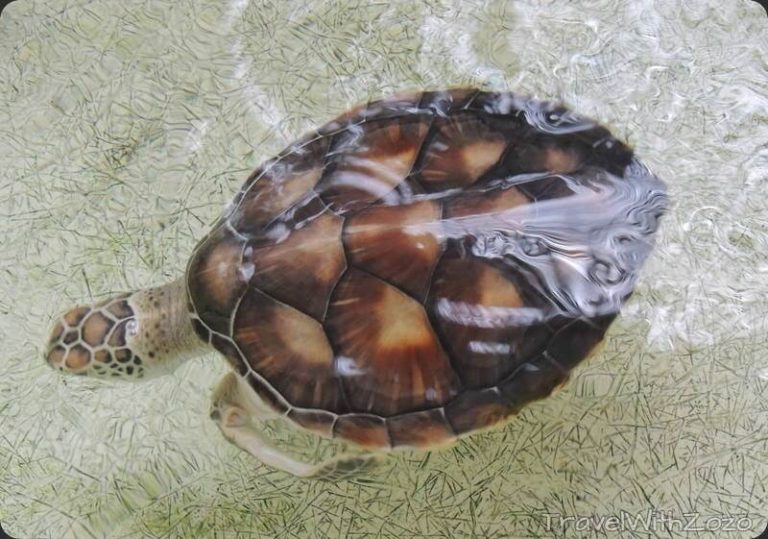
x=124 y=132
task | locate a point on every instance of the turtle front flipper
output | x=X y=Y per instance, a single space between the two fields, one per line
x=132 y=336
x=235 y=410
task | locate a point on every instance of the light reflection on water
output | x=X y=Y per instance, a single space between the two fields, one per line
x=127 y=130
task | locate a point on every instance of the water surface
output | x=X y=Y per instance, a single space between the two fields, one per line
x=123 y=133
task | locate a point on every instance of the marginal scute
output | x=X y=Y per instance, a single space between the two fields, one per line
x=427 y=428
x=317 y=421
x=388 y=356
x=473 y=410
x=289 y=349
x=577 y=340
x=407 y=100
x=444 y=102
x=391 y=106
x=302 y=269
x=399 y=244
x=268 y=396
x=495 y=103
x=369 y=160
x=531 y=381
x=366 y=430
x=230 y=352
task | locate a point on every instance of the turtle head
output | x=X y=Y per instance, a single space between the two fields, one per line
x=131 y=336
x=93 y=340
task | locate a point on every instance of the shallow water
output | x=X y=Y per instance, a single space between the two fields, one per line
x=124 y=133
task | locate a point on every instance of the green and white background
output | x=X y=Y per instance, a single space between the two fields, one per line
x=125 y=126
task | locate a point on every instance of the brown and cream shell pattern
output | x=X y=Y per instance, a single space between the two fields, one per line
x=426 y=265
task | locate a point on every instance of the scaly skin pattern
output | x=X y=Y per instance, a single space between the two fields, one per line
x=93 y=340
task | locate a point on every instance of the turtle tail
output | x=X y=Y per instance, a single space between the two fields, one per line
x=133 y=336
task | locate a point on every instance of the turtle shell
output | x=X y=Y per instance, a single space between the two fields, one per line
x=425 y=265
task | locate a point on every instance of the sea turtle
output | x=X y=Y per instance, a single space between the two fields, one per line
x=418 y=269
